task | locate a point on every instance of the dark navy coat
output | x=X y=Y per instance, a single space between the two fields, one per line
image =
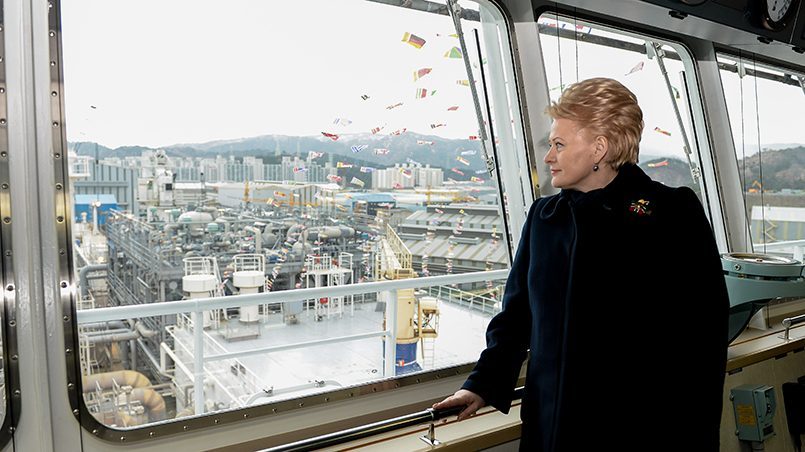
x=613 y=291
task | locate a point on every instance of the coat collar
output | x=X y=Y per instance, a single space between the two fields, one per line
x=629 y=178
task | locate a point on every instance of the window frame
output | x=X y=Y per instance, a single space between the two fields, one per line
x=68 y=297
x=697 y=114
x=8 y=317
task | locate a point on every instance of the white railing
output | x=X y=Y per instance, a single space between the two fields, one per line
x=198 y=306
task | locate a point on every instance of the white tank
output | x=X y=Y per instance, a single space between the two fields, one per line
x=248 y=281
x=199 y=286
x=195 y=217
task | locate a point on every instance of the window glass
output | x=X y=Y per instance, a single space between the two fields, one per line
x=574 y=50
x=267 y=147
x=764 y=105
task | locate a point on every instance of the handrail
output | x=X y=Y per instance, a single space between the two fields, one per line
x=285 y=296
x=791 y=321
x=376 y=428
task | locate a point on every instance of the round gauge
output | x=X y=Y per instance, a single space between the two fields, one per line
x=775 y=14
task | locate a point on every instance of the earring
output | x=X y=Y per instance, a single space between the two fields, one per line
x=595 y=167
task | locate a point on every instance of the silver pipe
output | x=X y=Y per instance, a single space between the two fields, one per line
x=82 y=277
x=787 y=322
x=114 y=337
x=285 y=296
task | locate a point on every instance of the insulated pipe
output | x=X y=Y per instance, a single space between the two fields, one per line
x=107 y=380
x=153 y=402
x=139 y=331
x=113 y=337
x=144 y=331
x=82 y=277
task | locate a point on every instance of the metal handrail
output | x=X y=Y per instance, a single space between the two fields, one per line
x=376 y=428
x=788 y=322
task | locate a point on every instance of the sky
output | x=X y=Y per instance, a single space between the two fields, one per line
x=157 y=73
x=166 y=72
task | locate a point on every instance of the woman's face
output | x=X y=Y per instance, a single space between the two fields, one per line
x=571 y=156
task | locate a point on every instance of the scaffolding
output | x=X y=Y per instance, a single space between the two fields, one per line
x=327 y=271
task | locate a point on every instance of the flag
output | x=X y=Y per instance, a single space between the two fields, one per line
x=299 y=169
x=367 y=169
x=424 y=142
x=280 y=194
x=437 y=210
x=413 y=39
x=398 y=185
x=358 y=182
x=406 y=172
x=381 y=151
x=468 y=152
x=343 y=165
x=398 y=131
x=637 y=67
x=462 y=160
x=412 y=161
x=419 y=73
x=359 y=147
x=398 y=104
x=453 y=108
x=314 y=155
x=476 y=179
x=482 y=171
x=457 y=171
x=331 y=136
x=664 y=132
x=463 y=82
x=421 y=93
x=474 y=137
x=658 y=164
x=365 y=96
x=441 y=124
x=343 y=121
x=376 y=129
x=455 y=52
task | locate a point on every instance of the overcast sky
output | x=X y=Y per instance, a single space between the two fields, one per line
x=164 y=72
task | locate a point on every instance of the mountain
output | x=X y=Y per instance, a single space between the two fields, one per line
x=404 y=148
x=671 y=171
x=774 y=169
x=782 y=167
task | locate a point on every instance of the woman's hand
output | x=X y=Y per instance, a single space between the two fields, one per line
x=462 y=397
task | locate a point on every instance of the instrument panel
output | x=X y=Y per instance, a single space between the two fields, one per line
x=772 y=20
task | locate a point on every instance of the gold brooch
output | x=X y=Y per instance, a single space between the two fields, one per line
x=640 y=208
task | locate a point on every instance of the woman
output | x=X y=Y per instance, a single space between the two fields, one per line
x=613 y=265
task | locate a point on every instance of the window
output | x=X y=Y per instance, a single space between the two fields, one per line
x=297 y=167
x=654 y=70
x=764 y=102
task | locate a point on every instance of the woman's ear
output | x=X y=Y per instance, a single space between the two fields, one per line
x=601 y=147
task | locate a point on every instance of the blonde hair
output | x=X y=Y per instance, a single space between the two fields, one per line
x=604 y=107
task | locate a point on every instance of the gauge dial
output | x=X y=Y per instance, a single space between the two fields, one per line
x=775 y=14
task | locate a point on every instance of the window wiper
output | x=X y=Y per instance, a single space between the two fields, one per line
x=654 y=49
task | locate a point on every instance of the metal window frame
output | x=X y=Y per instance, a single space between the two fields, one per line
x=66 y=290
x=10 y=353
x=705 y=151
